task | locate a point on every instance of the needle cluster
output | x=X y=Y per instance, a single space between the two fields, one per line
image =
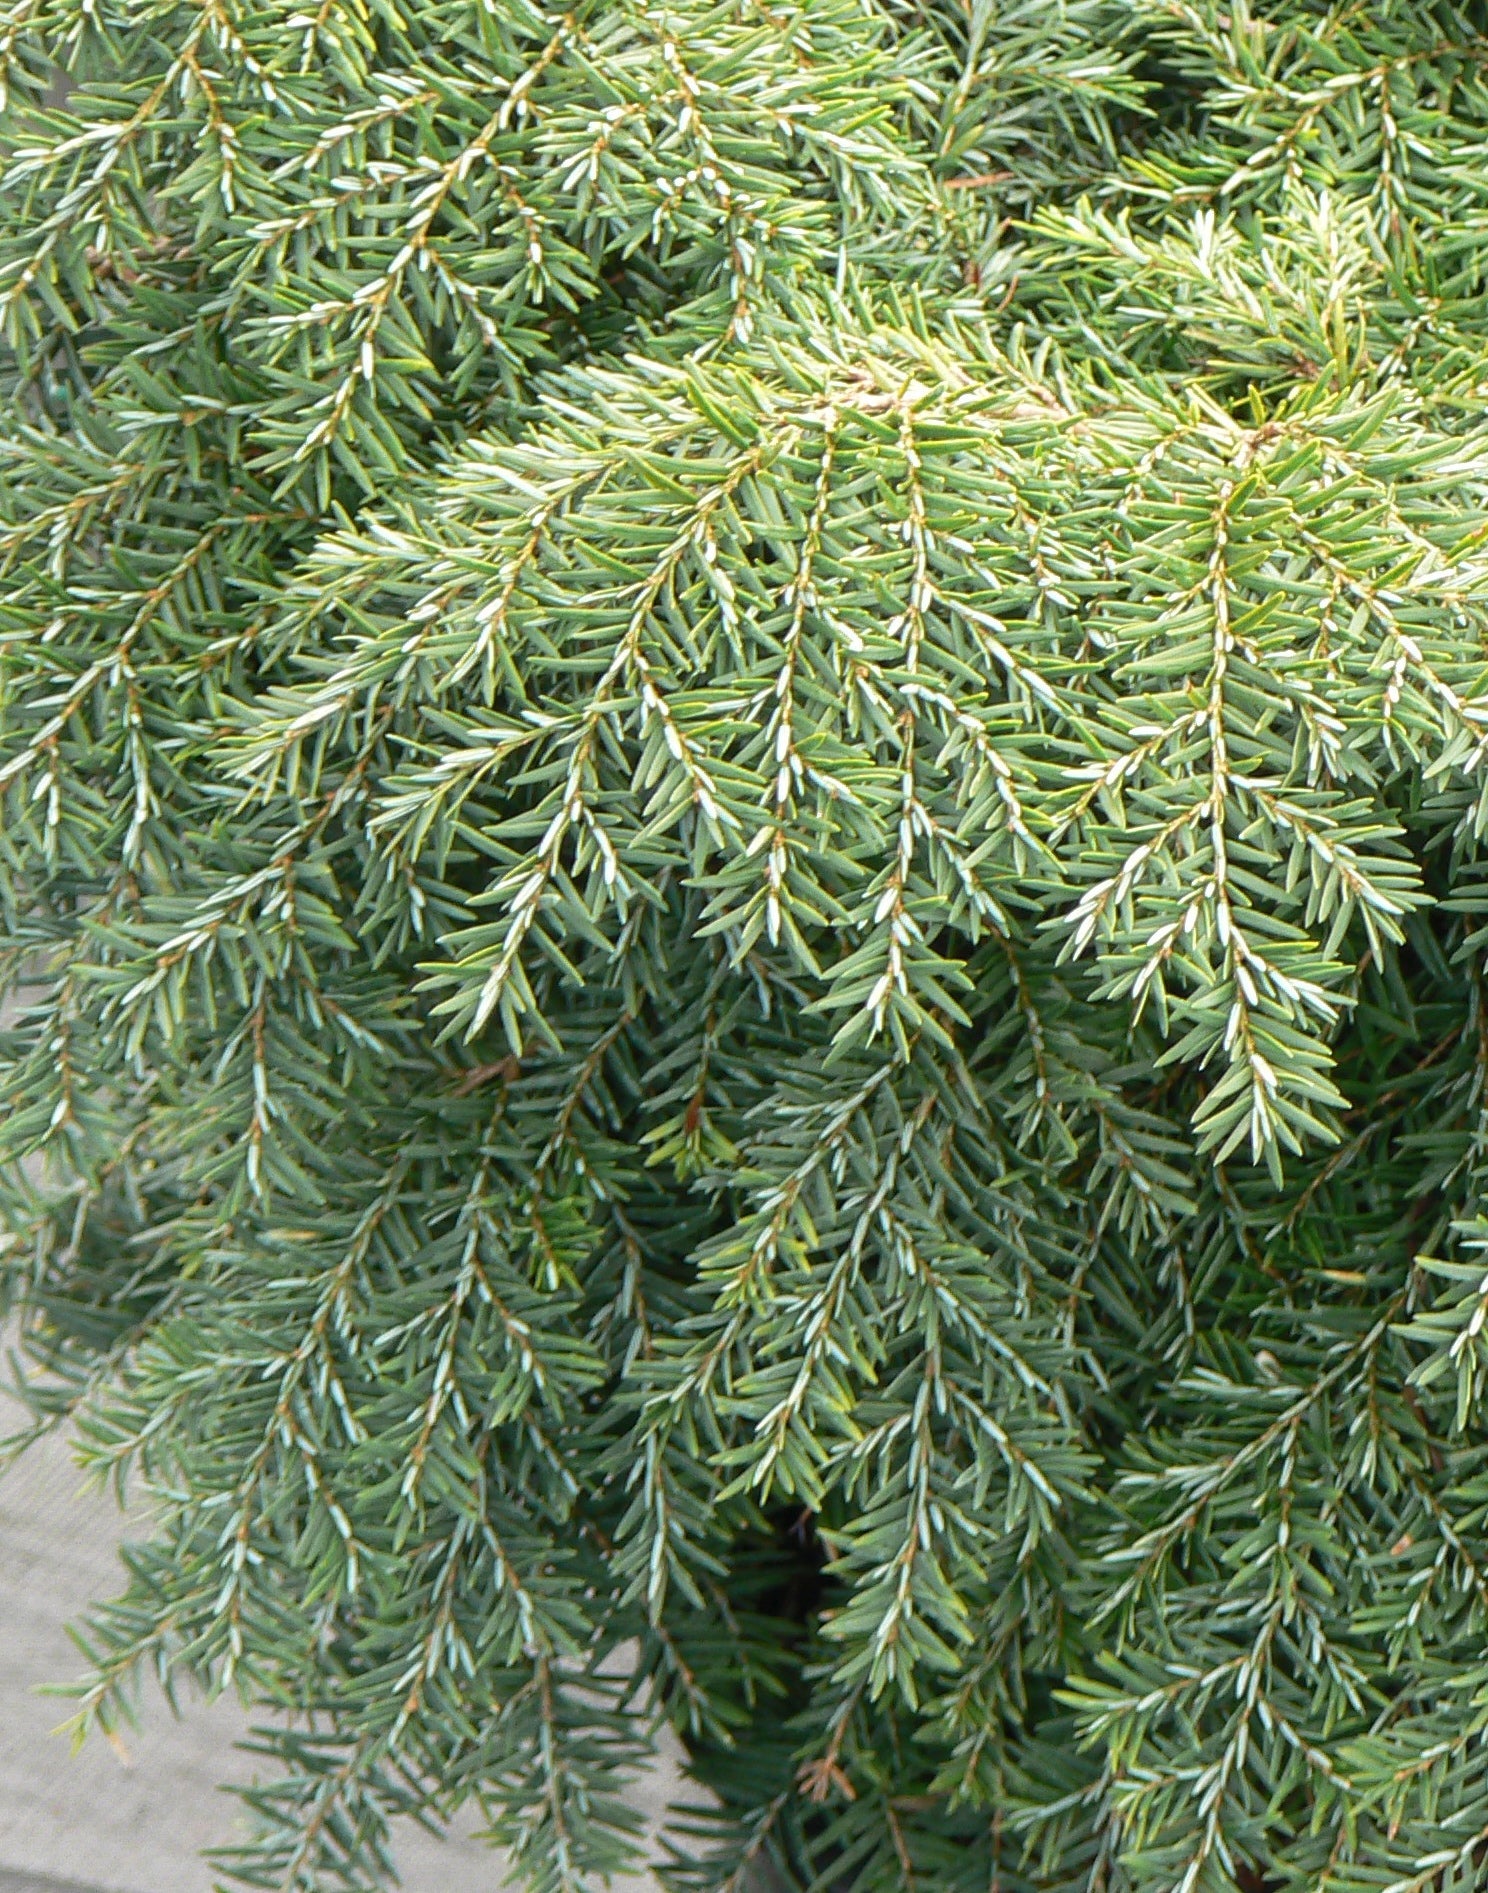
x=743 y=776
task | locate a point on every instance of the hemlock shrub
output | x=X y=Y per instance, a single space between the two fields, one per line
x=745 y=760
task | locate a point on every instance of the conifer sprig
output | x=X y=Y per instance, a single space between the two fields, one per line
x=743 y=755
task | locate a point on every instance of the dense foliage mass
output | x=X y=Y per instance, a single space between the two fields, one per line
x=744 y=756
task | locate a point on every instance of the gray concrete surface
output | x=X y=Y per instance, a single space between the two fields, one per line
x=34 y=1883
x=134 y=1821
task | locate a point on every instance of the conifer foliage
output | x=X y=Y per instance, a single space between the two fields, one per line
x=744 y=754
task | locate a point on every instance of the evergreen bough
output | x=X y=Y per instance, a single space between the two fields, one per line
x=745 y=761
